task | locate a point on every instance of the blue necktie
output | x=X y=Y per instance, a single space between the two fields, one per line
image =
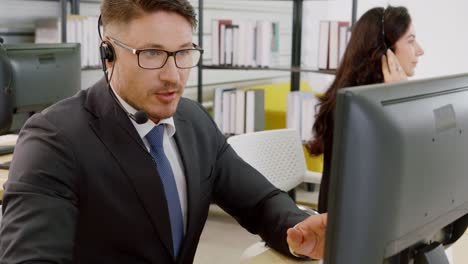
x=155 y=139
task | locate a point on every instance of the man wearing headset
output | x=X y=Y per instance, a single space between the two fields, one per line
x=125 y=171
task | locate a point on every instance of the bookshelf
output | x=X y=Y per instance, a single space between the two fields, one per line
x=287 y=69
x=26 y=12
x=295 y=67
x=33 y=10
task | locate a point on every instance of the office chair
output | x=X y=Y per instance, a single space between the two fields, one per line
x=279 y=156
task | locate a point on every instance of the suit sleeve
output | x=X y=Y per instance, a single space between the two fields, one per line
x=40 y=199
x=250 y=198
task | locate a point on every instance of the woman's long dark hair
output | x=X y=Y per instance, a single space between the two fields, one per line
x=361 y=63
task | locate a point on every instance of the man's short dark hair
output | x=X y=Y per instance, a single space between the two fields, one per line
x=124 y=11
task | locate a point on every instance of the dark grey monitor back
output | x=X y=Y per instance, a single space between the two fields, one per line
x=41 y=75
x=6 y=98
x=399 y=167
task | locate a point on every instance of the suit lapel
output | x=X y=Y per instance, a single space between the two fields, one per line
x=121 y=138
x=185 y=137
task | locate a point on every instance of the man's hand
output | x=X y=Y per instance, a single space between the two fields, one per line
x=391 y=68
x=307 y=238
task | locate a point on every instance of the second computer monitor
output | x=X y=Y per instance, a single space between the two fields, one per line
x=37 y=76
x=399 y=170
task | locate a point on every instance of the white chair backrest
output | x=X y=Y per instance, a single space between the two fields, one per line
x=277 y=154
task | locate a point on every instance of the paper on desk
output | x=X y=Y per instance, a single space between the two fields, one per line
x=9 y=139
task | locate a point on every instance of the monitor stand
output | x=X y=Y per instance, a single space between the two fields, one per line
x=431 y=254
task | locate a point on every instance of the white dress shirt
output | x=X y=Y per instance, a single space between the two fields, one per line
x=170 y=149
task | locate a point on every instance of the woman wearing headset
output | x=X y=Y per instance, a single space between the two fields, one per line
x=382 y=48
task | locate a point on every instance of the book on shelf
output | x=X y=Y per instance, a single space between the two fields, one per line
x=254 y=110
x=343 y=39
x=333 y=40
x=230 y=46
x=214 y=41
x=308 y=104
x=228 y=39
x=226 y=112
x=263 y=43
x=232 y=113
x=275 y=44
x=80 y=29
x=324 y=40
x=250 y=43
x=238 y=111
x=293 y=112
x=218 y=105
x=235 y=45
x=239 y=45
x=244 y=43
x=301 y=113
x=222 y=39
x=334 y=47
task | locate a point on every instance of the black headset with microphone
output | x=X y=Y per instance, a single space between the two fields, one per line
x=106 y=50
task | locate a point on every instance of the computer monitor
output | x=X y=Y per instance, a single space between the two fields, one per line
x=33 y=77
x=399 y=175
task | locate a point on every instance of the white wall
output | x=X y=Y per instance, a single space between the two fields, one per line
x=440 y=28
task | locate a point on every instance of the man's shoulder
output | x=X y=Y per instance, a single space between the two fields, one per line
x=80 y=105
x=186 y=103
x=189 y=107
x=67 y=116
x=194 y=112
x=69 y=108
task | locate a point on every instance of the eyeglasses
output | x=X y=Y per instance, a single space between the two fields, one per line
x=153 y=59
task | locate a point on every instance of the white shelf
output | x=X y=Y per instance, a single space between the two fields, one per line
x=22 y=13
x=90 y=8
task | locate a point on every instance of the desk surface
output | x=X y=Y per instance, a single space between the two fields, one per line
x=271 y=256
x=3 y=178
x=5 y=140
x=4 y=173
x=458 y=254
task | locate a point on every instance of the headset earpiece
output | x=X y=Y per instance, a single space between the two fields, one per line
x=107 y=53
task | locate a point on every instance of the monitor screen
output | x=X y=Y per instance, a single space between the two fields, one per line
x=399 y=175
x=36 y=76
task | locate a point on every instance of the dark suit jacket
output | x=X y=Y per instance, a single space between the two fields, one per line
x=83 y=189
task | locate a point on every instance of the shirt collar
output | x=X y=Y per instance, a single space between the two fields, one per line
x=145 y=128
